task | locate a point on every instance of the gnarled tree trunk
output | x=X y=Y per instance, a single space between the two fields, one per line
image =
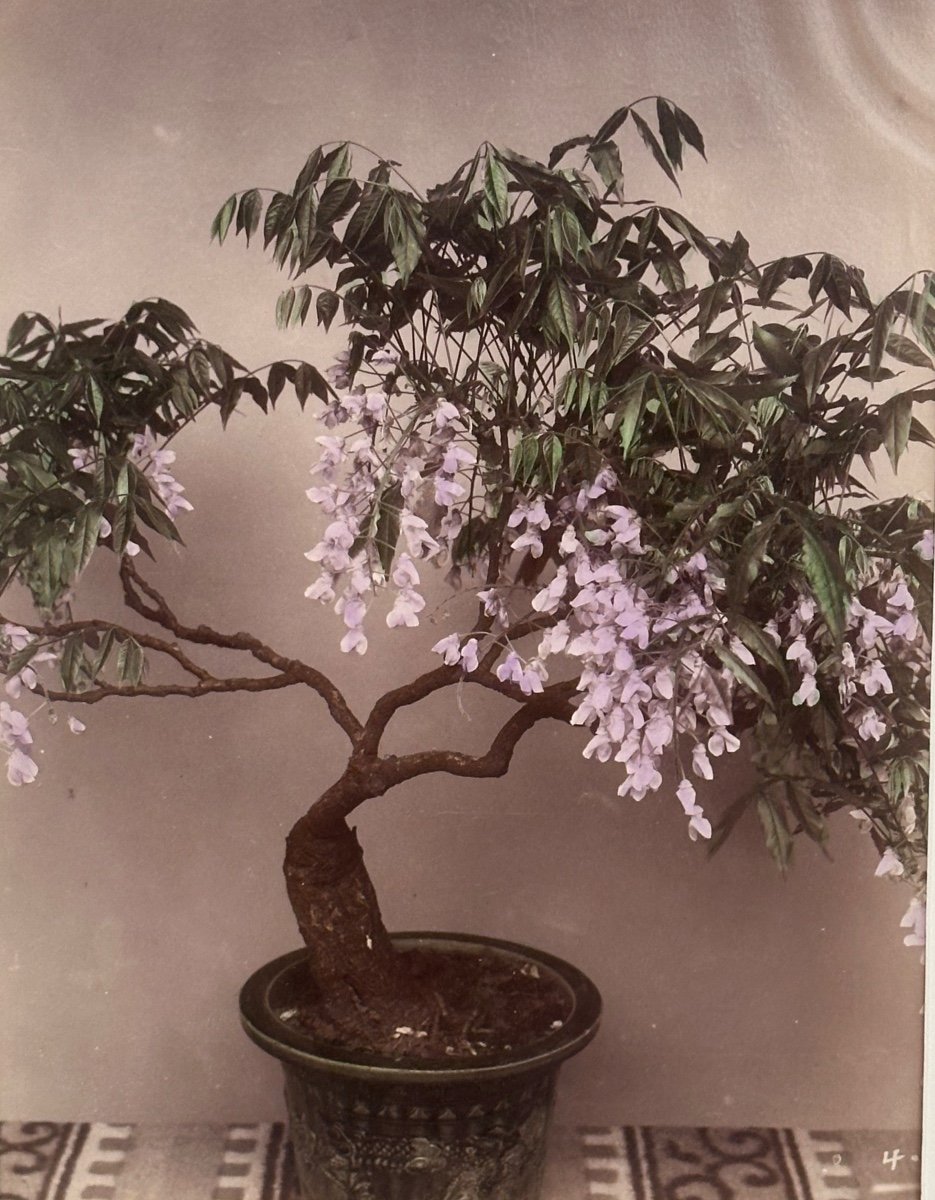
x=352 y=961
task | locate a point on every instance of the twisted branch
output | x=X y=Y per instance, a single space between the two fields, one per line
x=367 y=775
x=96 y=626
x=554 y=702
x=299 y=672
x=269 y=683
x=441 y=677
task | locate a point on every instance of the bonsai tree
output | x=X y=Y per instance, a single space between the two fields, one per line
x=632 y=449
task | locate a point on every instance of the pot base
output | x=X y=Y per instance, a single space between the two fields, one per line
x=413 y=1142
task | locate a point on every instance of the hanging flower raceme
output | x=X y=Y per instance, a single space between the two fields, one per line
x=392 y=468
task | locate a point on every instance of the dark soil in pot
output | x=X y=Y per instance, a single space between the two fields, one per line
x=456 y=1005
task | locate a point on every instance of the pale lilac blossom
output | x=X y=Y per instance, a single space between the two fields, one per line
x=914 y=921
x=926 y=547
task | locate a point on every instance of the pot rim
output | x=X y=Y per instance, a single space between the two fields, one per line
x=282 y=1040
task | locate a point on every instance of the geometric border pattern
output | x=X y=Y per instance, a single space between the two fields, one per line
x=630 y=1163
x=45 y=1160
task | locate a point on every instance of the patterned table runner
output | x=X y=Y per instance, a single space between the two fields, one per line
x=42 y=1160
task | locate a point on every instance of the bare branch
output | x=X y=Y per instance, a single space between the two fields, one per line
x=161 y=614
x=553 y=702
x=269 y=683
x=367 y=776
x=151 y=643
x=441 y=677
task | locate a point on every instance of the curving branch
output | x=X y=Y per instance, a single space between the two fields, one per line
x=441 y=677
x=496 y=761
x=368 y=776
x=160 y=613
x=269 y=683
x=65 y=628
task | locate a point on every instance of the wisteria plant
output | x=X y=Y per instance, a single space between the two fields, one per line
x=634 y=447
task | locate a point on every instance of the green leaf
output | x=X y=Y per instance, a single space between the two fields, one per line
x=633 y=406
x=279 y=214
x=757 y=641
x=811 y=820
x=774 y=352
x=95 y=399
x=560 y=306
x=122 y=524
x=895 y=418
x=749 y=559
x=84 y=535
x=326 y=307
x=364 y=217
x=199 y=368
x=156 y=518
x=404 y=231
x=816 y=363
x=101 y=655
x=670 y=272
x=837 y=285
x=248 y=213
x=552 y=455
x=305 y=217
x=557 y=153
x=824 y=573
x=339 y=162
x=628 y=332
x=495 y=188
x=657 y=152
x=389 y=514
x=336 y=201
x=19 y=330
x=714 y=400
x=524 y=457
x=670 y=131
x=612 y=124
x=72 y=665
x=605 y=158
x=882 y=324
x=476 y=295
x=690 y=131
x=778 y=838
x=222 y=220
x=279 y=372
x=301 y=305
x=907 y=351
x=22 y=658
x=743 y=673
x=712 y=301
x=307 y=381
x=310 y=171
x=131 y=662
x=284 y=308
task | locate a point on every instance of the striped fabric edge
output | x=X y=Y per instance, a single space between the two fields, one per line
x=89 y=1164
x=253 y=1163
x=613 y=1164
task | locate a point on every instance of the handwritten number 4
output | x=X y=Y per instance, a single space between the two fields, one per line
x=891 y=1158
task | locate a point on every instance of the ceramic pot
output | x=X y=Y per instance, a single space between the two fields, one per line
x=368 y=1128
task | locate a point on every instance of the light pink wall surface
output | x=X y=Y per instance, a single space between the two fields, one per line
x=141 y=873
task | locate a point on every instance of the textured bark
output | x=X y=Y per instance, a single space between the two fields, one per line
x=351 y=958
